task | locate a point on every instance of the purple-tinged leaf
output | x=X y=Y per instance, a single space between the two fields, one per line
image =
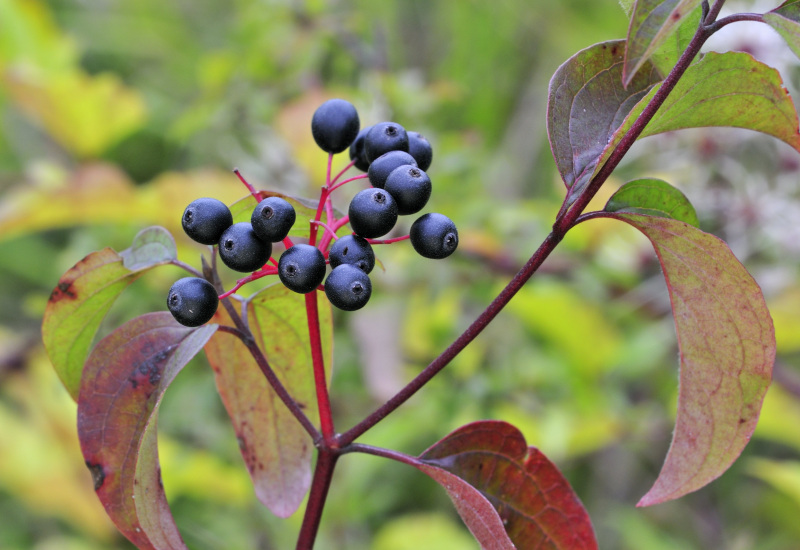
x=652 y=22
x=727 y=347
x=652 y=197
x=504 y=489
x=275 y=448
x=86 y=292
x=121 y=388
x=728 y=89
x=785 y=19
x=587 y=103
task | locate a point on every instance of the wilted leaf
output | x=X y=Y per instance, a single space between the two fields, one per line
x=729 y=89
x=652 y=22
x=122 y=386
x=275 y=448
x=586 y=104
x=653 y=197
x=727 y=348
x=786 y=21
x=86 y=292
x=488 y=469
x=151 y=246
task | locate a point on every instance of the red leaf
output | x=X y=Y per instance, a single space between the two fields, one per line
x=122 y=385
x=727 y=348
x=488 y=469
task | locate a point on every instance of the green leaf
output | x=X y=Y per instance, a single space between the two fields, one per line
x=125 y=378
x=786 y=21
x=489 y=463
x=275 y=448
x=586 y=104
x=652 y=22
x=728 y=89
x=151 y=246
x=727 y=347
x=86 y=292
x=653 y=197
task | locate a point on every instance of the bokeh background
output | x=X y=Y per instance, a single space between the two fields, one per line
x=114 y=115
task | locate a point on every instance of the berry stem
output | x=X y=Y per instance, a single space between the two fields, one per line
x=246 y=184
x=389 y=241
x=330 y=231
x=320 y=380
x=354 y=178
x=345 y=169
x=186 y=267
x=312 y=234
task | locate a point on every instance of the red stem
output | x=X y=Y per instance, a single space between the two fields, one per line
x=323 y=473
x=320 y=380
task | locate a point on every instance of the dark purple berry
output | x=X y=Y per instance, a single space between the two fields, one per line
x=434 y=236
x=192 y=301
x=272 y=219
x=385 y=137
x=352 y=250
x=357 y=150
x=348 y=288
x=302 y=268
x=373 y=213
x=335 y=125
x=205 y=219
x=410 y=187
x=382 y=166
x=242 y=250
x=420 y=149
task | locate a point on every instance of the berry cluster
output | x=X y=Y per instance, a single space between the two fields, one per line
x=395 y=162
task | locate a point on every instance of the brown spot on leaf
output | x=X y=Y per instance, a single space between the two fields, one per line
x=742 y=420
x=63 y=291
x=676 y=15
x=98 y=474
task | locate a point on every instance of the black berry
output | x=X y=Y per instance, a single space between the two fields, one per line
x=420 y=149
x=434 y=236
x=357 y=150
x=242 y=250
x=352 y=250
x=410 y=187
x=373 y=213
x=382 y=166
x=348 y=288
x=192 y=301
x=385 y=137
x=335 y=125
x=272 y=219
x=301 y=268
x=205 y=219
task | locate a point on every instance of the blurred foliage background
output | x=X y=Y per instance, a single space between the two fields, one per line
x=114 y=115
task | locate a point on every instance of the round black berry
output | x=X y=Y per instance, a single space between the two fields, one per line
x=205 y=219
x=192 y=301
x=272 y=219
x=335 y=125
x=352 y=250
x=373 y=213
x=382 y=166
x=410 y=187
x=301 y=268
x=420 y=149
x=242 y=250
x=434 y=236
x=348 y=288
x=357 y=150
x=385 y=137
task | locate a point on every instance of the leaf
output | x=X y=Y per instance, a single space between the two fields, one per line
x=275 y=448
x=86 y=292
x=488 y=469
x=785 y=19
x=652 y=22
x=151 y=246
x=728 y=89
x=586 y=104
x=122 y=386
x=727 y=347
x=653 y=197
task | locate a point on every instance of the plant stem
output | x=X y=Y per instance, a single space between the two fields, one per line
x=320 y=380
x=564 y=221
x=323 y=473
